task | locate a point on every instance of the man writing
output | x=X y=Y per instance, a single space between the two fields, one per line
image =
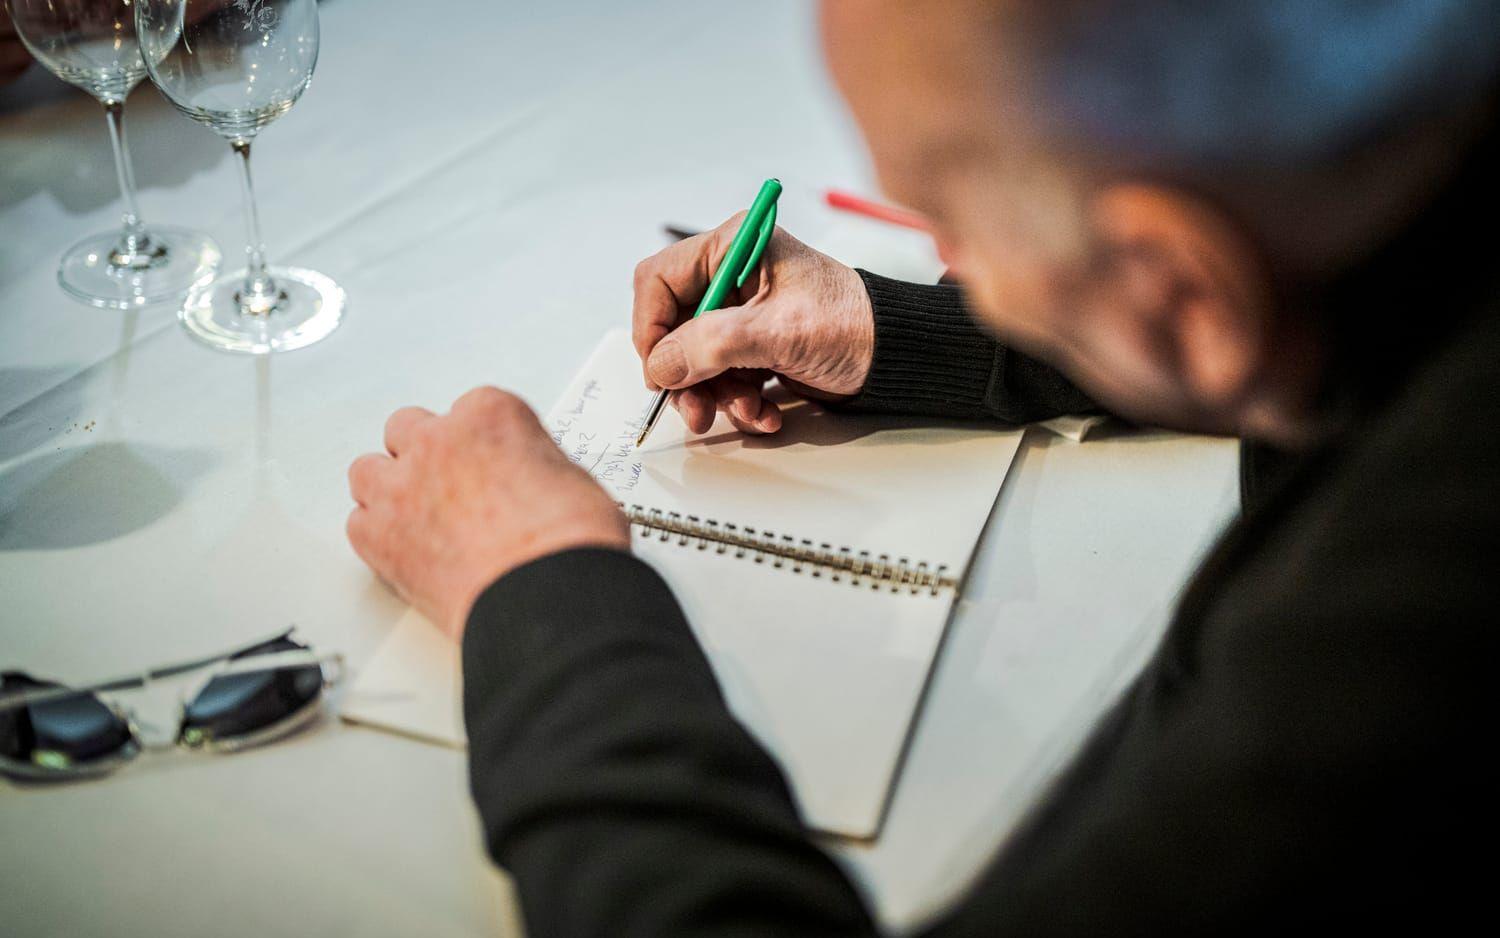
x=1231 y=217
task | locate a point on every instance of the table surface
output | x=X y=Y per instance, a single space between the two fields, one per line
x=159 y=499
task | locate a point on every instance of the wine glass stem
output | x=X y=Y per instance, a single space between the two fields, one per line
x=134 y=248
x=259 y=295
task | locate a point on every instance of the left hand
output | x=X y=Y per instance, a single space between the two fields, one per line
x=461 y=499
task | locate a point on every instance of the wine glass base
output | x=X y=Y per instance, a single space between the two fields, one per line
x=179 y=261
x=310 y=308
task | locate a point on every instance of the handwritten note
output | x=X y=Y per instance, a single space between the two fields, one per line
x=598 y=418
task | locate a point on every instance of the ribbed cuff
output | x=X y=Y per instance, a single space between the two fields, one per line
x=930 y=357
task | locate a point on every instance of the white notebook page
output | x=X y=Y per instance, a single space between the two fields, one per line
x=827 y=675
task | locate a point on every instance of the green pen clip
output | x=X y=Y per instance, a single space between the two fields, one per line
x=767 y=228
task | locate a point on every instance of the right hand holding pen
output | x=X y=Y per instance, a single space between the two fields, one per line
x=801 y=317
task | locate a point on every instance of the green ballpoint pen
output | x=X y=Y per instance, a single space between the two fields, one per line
x=744 y=253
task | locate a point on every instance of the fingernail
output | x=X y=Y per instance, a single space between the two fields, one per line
x=667 y=364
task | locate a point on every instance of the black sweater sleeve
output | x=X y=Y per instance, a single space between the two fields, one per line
x=612 y=781
x=932 y=359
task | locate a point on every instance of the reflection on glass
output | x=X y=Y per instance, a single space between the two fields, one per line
x=235 y=66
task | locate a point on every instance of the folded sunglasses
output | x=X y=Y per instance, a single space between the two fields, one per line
x=246 y=697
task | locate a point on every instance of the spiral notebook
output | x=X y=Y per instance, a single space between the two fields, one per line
x=817 y=566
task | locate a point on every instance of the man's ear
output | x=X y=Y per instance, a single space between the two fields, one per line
x=1199 y=282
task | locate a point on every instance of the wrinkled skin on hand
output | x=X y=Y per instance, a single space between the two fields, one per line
x=801 y=317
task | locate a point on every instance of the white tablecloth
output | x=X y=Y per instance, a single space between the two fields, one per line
x=481 y=177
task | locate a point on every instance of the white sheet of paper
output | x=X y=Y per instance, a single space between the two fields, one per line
x=411 y=685
x=826 y=674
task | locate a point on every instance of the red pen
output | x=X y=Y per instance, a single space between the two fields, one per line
x=896 y=216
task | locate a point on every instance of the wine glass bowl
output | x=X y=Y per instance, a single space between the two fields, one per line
x=92 y=45
x=235 y=66
x=232 y=65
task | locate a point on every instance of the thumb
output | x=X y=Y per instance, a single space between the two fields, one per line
x=708 y=346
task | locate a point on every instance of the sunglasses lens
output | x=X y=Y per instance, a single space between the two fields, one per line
x=71 y=736
x=233 y=709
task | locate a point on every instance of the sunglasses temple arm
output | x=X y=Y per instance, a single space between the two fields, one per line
x=49 y=694
x=161 y=673
x=172 y=670
x=279 y=660
x=274 y=661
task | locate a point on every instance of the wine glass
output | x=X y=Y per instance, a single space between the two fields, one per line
x=92 y=44
x=235 y=66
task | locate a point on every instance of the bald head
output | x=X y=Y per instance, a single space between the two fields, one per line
x=1126 y=186
x=1322 y=122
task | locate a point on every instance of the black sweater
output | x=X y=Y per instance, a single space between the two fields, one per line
x=1304 y=750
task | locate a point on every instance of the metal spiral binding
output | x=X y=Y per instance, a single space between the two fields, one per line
x=798 y=555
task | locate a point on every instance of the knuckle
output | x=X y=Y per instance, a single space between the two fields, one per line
x=356 y=528
x=421 y=433
x=509 y=404
x=357 y=473
x=490 y=395
x=363 y=473
x=485 y=398
x=500 y=406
